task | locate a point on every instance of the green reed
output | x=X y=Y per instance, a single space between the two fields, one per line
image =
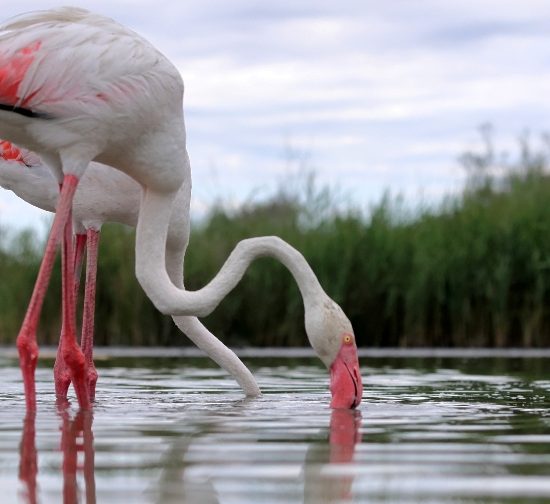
x=475 y=271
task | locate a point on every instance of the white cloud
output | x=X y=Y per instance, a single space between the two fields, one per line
x=383 y=94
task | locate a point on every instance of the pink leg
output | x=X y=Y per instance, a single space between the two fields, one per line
x=87 y=341
x=80 y=247
x=62 y=376
x=70 y=351
x=26 y=339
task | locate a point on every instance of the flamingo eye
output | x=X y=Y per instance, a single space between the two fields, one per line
x=347 y=339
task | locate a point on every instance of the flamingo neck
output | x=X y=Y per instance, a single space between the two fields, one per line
x=161 y=276
x=170 y=299
x=272 y=246
x=199 y=334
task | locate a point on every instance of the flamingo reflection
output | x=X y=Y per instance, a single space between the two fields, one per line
x=28 y=460
x=76 y=436
x=327 y=470
x=71 y=430
x=326 y=478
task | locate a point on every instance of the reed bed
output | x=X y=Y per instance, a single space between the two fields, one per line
x=475 y=271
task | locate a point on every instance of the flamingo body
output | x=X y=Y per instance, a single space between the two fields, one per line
x=83 y=86
x=107 y=195
x=76 y=87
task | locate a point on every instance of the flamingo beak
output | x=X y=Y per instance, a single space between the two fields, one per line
x=346 y=385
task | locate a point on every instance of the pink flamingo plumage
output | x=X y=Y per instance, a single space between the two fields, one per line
x=77 y=87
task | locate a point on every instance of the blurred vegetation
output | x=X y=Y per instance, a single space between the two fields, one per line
x=474 y=271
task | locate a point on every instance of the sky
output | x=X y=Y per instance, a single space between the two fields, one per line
x=371 y=96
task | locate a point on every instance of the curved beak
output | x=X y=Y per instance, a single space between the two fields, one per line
x=346 y=385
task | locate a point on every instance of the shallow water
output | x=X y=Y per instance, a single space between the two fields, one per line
x=178 y=430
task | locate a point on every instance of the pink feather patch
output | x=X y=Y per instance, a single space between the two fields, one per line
x=8 y=151
x=12 y=73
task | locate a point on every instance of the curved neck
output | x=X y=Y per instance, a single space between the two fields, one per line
x=246 y=251
x=169 y=299
x=250 y=249
x=200 y=335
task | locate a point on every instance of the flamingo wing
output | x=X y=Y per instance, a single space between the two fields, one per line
x=64 y=63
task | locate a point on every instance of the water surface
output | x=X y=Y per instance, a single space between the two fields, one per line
x=178 y=430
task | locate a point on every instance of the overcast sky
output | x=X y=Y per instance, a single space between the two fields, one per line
x=370 y=95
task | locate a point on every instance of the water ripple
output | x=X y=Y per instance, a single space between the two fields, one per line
x=427 y=431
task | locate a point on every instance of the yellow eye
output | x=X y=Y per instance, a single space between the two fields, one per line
x=347 y=338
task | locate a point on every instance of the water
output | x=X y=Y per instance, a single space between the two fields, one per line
x=430 y=430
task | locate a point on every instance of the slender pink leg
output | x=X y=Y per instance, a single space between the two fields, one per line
x=26 y=339
x=71 y=352
x=62 y=376
x=87 y=341
x=80 y=247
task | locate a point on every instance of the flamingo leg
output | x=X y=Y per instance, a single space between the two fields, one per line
x=80 y=247
x=61 y=373
x=70 y=351
x=26 y=339
x=87 y=339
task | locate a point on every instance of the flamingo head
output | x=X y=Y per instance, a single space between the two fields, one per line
x=331 y=336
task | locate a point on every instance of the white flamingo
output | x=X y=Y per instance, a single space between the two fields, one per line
x=107 y=195
x=77 y=87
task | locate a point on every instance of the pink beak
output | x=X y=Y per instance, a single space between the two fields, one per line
x=346 y=385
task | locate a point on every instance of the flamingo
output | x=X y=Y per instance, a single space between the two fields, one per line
x=109 y=195
x=77 y=87
x=105 y=195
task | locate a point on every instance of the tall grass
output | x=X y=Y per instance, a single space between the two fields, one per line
x=473 y=272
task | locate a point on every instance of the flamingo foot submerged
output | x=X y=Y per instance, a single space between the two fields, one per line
x=62 y=374
x=71 y=353
x=87 y=338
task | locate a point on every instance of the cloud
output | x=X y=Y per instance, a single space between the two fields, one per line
x=380 y=94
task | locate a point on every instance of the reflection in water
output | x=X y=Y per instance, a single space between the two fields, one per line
x=77 y=436
x=431 y=433
x=28 y=462
x=70 y=432
x=71 y=429
x=332 y=483
x=344 y=435
x=176 y=484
